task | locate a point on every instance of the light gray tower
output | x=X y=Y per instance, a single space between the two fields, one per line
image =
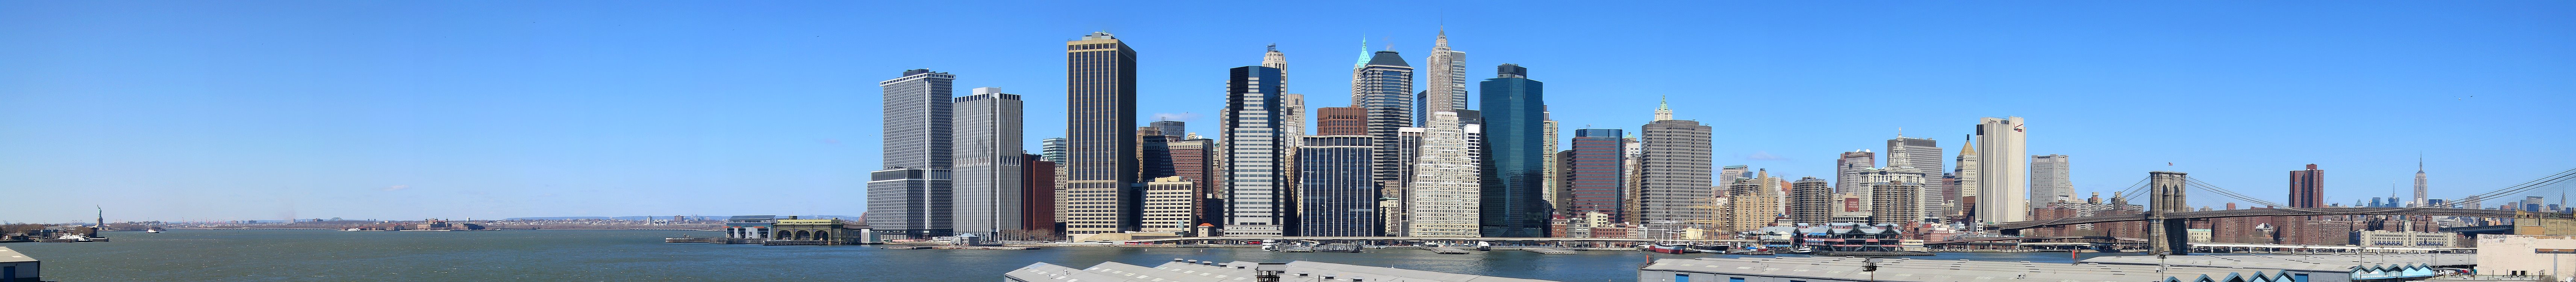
x=2048 y=180
x=1847 y=176
x=1676 y=169
x=2002 y=170
x=2419 y=182
x=989 y=181
x=911 y=196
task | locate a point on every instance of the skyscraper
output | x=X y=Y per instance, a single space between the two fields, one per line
x=1445 y=77
x=1847 y=177
x=1513 y=163
x=1444 y=200
x=1177 y=129
x=2049 y=181
x=1811 y=201
x=1038 y=195
x=1963 y=181
x=2419 y=183
x=1924 y=156
x=1100 y=87
x=911 y=196
x=989 y=182
x=2308 y=187
x=2001 y=196
x=1674 y=170
x=1336 y=195
x=1548 y=174
x=1257 y=196
x=1053 y=149
x=1591 y=180
x=1384 y=88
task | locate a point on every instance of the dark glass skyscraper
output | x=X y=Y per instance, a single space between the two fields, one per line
x=1100 y=90
x=1512 y=168
x=1384 y=88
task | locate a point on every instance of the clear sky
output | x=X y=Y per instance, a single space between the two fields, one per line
x=198 y=110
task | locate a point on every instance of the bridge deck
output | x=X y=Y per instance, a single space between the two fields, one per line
x=2266 y=212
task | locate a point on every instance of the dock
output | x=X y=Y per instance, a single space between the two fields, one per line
x=1446 y=250
x=1551 y=251
x=907 y=247
x=1015 y=248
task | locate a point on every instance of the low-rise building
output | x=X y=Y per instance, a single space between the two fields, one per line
x=2405 y=238
x=1855 y=269
x=750 y=227
x=820 y=231
x=2525 y=254
x=17 y=267
x=1180 y=270
x=2315 y=267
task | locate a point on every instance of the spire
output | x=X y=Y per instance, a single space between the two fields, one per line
x=1663 y=108
x=1364 y=54
x=1967 y=149
x=1442 y=44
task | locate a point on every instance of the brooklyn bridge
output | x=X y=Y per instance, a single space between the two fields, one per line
x=2167 y=213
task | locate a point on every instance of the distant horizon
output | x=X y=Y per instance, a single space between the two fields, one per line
x=264 y=110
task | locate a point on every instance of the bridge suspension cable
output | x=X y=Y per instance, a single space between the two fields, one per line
x=2553 y=179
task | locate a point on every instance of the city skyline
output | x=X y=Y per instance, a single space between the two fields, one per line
x=2117 y=140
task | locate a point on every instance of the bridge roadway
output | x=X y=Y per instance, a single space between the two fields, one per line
x=2016 y=225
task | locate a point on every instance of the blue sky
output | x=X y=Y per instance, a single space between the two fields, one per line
x=174 y=110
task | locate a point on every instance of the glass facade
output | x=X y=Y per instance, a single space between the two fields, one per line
x=1514 y=112
x=1256 y=191
x=1336 y=196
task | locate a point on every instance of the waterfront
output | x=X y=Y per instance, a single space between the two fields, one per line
x=640 y=255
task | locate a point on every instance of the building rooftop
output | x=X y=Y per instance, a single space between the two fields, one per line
x=2306 y=262
x=1212 y=271
x=1926 y=270
x=8 y=255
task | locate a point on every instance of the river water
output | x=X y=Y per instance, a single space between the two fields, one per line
x=640 y=255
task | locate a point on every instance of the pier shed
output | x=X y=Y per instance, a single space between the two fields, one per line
x=17 y=267
x=1855 y=269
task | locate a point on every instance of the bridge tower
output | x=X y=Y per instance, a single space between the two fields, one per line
x=2165 y=196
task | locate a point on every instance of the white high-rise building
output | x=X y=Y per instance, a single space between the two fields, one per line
x=988 y=153
x=2049 y=182
x=2002 y=170
x=1445 y=193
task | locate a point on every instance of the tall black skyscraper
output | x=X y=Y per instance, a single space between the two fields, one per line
x=1513 y=168
x=1100 y=85
x=1384 y=87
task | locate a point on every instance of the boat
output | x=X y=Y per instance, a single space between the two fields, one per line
x=1802 y=250
x=1669 y=249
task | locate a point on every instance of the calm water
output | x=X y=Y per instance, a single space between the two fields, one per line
x=640 y=255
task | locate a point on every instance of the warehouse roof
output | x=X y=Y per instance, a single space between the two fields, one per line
x=1927 y=270
x=2305 y=262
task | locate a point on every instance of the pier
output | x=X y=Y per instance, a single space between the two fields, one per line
x=1552 y=251
x=1446 y=250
